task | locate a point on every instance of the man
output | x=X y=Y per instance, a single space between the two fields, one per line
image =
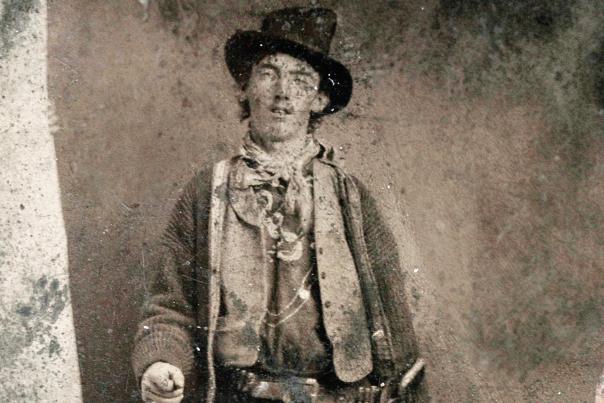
x=280 y=281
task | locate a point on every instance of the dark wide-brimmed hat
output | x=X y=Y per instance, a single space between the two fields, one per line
x=304 y=33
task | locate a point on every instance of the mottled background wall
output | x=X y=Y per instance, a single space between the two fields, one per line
x=479 y=124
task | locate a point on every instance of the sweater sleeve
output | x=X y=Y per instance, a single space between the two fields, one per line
x=385 y=262
x=166 y=330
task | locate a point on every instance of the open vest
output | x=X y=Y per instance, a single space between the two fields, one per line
x=240 y=273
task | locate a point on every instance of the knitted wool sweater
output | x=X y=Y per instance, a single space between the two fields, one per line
x=174 y=327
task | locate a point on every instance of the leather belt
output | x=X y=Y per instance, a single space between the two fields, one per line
x=293 y=389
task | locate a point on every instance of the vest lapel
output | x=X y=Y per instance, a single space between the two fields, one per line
x=344 y=314
x=215 y=223
x=243 y=279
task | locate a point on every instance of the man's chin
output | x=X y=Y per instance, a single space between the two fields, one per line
x=278 y=134
x=279 y=130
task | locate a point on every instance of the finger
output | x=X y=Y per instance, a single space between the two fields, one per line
x=163 y=381
x=165 y=384
x=157 y=398
x=178 y=378
x=149 y=386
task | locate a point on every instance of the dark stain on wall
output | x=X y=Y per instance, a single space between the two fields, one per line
x=507 y=22
x=15 y=14
x=595 y=64
x=33 y=320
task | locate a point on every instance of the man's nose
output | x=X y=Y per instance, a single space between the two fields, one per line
x=281 y=89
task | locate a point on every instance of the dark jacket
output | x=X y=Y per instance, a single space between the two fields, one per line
x=177 y=327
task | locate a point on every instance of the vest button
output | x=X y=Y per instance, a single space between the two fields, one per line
x=323 y=275
x=327 y=304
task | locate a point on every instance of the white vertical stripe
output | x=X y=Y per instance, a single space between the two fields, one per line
x=38 y=358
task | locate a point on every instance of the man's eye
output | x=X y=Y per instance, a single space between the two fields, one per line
x=302 y=81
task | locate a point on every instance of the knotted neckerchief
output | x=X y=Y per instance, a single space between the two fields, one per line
x=256 y=167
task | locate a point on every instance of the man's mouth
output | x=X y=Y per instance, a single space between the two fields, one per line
x=280 y=111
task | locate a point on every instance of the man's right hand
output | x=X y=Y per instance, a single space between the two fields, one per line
x=162 y=383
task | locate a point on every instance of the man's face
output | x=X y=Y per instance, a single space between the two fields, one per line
x=282 y=92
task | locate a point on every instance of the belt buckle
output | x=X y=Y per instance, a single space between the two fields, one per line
x=288 y=390
x=305 y=388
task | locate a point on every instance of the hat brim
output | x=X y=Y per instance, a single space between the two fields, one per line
x=246 y=48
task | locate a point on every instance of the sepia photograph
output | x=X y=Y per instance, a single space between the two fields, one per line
x=315 y=201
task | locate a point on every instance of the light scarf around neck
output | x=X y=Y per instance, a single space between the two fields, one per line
x=259 y=167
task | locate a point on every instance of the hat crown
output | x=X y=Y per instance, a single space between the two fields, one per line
x=312 y=27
